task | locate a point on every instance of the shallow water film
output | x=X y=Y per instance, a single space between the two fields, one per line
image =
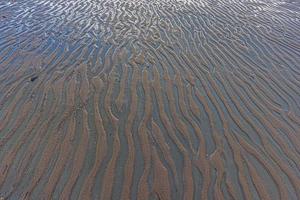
x=149 y=99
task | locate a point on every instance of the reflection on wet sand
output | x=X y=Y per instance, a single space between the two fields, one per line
x=149 y=99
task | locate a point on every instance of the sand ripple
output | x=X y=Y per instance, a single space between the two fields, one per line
x=148 y=99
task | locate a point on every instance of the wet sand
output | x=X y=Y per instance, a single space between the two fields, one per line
x=149 y=99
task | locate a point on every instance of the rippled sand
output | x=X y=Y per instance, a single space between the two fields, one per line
x=149 y=99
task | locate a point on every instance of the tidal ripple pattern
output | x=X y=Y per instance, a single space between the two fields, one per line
x=149 y=99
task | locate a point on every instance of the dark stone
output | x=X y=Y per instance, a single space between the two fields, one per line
x=33 y=78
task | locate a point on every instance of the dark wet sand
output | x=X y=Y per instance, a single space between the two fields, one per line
x=149 y=99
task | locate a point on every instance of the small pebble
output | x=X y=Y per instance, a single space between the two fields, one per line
x=33 y=78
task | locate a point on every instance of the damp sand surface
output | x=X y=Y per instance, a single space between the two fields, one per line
x=149 y=99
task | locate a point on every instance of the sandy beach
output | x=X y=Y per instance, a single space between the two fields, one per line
x=149 y=99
